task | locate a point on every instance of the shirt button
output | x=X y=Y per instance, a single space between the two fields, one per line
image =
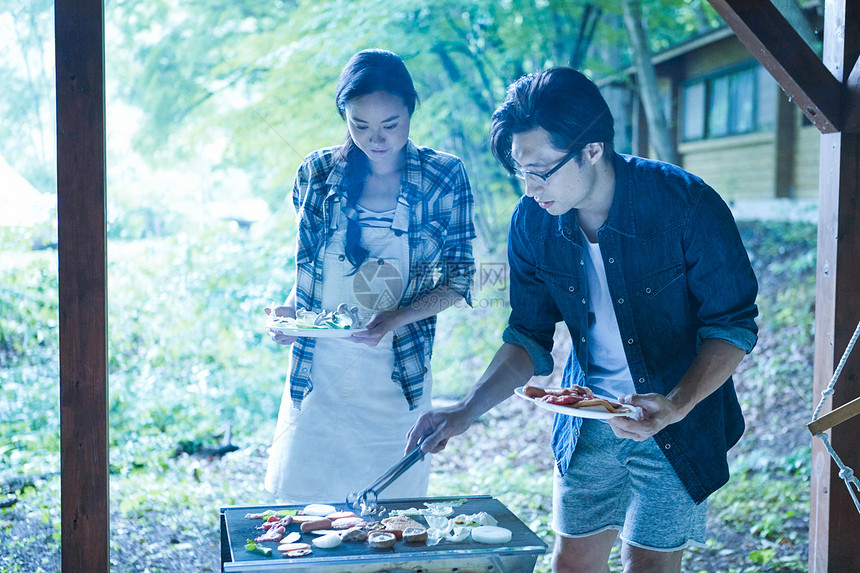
x=581 y=262
x=583 y=301
x=620 y=301
x=629 y=341
x=576 y=431
x=642 y=380
x=648 y=290
x=582 y=339
x=305 y=369
x=341 y=258
x=611 y=260
x=668 y=446
x=381 y=262
x=571 y=289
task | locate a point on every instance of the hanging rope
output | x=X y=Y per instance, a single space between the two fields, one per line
x=846 y=473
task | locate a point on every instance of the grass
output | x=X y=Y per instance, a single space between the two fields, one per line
x=169 y=386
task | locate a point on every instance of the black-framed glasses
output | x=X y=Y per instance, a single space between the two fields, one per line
x=521 y=173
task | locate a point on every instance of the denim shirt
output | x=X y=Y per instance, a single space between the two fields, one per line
x=678 y=274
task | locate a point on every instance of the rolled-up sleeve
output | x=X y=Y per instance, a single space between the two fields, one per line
x=720 y=275
x=534 y=313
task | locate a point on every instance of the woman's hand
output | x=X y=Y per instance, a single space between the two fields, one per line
x=277 y=335
x=377 y=327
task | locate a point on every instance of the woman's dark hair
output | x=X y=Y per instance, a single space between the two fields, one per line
x=367 y=72
x=560 y=100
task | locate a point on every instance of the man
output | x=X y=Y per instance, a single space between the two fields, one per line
x=644 y=263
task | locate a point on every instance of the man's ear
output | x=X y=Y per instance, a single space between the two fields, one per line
x=593 y=152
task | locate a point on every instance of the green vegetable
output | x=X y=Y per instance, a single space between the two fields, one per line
x=286 y=512
x=252 y=547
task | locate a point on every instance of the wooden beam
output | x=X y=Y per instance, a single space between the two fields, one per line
x=835 y=417
x=79 y=33
x=789 y=59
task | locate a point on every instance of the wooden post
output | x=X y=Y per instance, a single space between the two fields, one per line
x=834 y=522
x=828 y=93
x=79 y=31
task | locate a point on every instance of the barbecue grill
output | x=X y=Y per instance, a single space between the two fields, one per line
x=519 y=555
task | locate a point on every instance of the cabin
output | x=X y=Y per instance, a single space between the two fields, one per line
x=730 y=124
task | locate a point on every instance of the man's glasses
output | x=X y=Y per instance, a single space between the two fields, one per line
x=521 y=173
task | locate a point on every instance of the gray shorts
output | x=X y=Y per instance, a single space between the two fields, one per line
x=615 y=483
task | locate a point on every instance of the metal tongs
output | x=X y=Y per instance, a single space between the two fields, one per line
x=366 y=499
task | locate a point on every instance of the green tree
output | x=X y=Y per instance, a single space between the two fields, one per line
x=27 y=110
x=260 y=76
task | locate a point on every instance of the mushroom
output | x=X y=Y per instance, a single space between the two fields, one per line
x=381 y=540
x=321 y=318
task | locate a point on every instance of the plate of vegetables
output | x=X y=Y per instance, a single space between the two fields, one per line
x=341 y=322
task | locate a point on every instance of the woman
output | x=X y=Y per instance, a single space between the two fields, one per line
x=383 y=226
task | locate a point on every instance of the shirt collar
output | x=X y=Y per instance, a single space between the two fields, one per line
x=414 y=177
x=621 y=218
x=411 y=193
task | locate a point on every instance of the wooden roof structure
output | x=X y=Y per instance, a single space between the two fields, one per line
x=827 y=89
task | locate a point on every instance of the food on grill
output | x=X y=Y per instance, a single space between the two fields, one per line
x=474 y=520
x=344 y=526
x=574 y=397
x=355 y=535
x=491 y=534
x=321 y=523
x=287 y=547
x=252 y=547
x=272 y=534
x=304 y=518
x=415 y=535
x=318 y=509
x=291 y=537
x=381 y=540
x=329 y=541
x=398 y=523
x=275 y=521
x=347 y=522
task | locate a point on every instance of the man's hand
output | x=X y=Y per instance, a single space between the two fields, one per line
x=511 y=367
x=435 y=427
x=656 y=412
x=716 y=361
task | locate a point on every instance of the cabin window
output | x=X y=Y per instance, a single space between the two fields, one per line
x=730 y=103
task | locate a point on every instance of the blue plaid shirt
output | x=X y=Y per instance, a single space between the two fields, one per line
x=434 y=209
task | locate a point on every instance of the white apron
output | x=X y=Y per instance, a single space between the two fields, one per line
x=352 y=426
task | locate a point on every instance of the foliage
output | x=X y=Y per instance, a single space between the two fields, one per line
x=187 y=355
x=253 y=82
x=27 y=105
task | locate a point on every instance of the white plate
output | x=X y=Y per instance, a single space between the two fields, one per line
x=315 y=332
x=596 y=412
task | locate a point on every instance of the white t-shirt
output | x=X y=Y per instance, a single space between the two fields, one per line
x=608 y=372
